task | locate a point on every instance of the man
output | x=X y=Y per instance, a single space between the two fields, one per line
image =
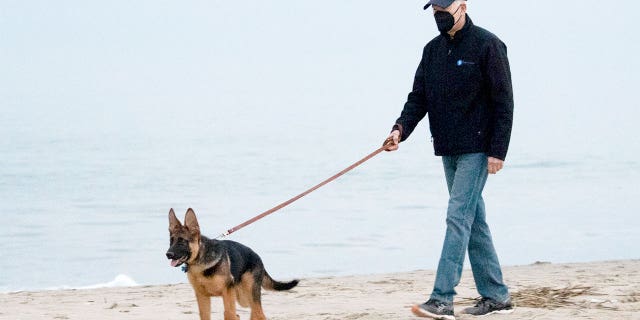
x=463 y=83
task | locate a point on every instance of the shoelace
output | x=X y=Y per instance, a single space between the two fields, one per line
x=441 y=306
x=483 y=302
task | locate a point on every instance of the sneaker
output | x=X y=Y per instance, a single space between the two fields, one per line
x=434 y=309
x=489 y=306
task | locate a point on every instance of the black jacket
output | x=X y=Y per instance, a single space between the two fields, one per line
x=464 y=85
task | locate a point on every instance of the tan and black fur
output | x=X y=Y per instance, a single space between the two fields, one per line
x=219 y=268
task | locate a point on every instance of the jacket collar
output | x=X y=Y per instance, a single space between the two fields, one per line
x=461 y=33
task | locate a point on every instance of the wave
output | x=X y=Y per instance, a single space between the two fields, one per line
x=542 y=164
x=120 y=280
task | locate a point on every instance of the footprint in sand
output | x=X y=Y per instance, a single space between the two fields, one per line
x=356 y=316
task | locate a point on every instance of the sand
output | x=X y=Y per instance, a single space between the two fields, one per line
x=607 y=290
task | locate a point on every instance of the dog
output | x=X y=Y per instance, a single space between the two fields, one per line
x=219 y=268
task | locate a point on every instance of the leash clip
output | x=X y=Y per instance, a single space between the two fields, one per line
x=223 y=235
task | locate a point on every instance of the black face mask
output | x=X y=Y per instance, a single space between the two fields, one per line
x=445 y=20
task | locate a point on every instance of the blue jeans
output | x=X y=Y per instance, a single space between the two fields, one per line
x=467 y=229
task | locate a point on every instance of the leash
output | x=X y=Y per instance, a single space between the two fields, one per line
x=314 y=188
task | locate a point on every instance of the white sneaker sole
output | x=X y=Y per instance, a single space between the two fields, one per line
x=426 y=314
x=494 y=312
x=509 y=311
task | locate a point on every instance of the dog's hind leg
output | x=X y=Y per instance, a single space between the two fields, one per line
x=229 y=301
x=255 y=283
x=256 y=311
x=204 y=306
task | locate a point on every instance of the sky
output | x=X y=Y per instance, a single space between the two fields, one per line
x=215 y=67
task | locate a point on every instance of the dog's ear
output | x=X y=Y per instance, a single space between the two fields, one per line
x=191 y=222
x=174 y=223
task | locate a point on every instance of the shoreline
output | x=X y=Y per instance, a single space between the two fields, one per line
x=591 y=290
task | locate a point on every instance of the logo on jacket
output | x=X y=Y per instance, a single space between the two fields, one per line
x=462 y=62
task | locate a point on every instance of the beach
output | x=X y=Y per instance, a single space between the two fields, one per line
x=115 y=112
x=596 y=290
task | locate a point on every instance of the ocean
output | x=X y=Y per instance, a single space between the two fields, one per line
x=87 y=205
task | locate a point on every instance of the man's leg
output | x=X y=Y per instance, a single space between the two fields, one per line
x=484 y=260
x=466 y=175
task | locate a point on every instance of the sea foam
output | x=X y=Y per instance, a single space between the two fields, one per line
x=120 y=280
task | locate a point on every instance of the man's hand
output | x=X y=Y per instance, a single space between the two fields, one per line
x=391 y=143
x=494 y=165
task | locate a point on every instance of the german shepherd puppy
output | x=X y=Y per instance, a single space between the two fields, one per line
x=219 y=268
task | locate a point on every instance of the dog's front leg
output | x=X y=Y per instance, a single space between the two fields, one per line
x=229 y=301
x=204 y=306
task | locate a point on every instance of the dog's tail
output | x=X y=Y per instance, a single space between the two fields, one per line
x=270 y=284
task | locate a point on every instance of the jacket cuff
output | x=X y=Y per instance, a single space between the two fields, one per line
x=398 y=127
x=497 y=154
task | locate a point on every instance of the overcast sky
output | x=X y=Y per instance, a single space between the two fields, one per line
x=115 y=65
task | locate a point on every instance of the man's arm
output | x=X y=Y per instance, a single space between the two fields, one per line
x=501 y=99
x=414 y=110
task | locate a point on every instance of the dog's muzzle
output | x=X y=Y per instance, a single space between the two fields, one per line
x=175 y=262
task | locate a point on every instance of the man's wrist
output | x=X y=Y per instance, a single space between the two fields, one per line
x=398 y=127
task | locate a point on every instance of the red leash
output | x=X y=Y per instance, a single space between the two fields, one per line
x=288 y=202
